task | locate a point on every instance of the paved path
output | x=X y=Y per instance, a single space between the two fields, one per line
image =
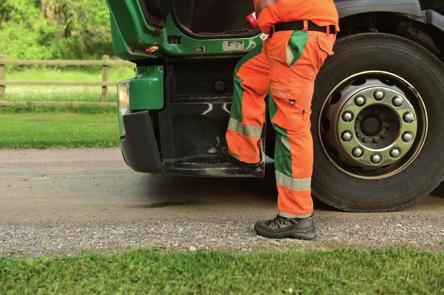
x=63 y=201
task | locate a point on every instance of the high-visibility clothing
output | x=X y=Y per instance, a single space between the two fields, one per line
x=321 y=12
x=285 y=67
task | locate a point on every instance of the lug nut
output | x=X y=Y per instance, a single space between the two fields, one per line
x=395 y=153
x=347 y=136
x=379 y=94
x=409 y=117
x=357 y=152
x=347 y=116
x=407 y=137
x=360 y=101
x=376 y=159
x=397 y=101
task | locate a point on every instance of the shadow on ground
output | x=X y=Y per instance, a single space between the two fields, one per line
x=175 y=191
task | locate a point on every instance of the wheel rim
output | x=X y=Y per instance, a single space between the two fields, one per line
x=373 y=125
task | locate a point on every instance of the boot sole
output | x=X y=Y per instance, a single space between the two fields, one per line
x=290 y=234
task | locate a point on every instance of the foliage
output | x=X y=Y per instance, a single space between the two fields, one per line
x=342 y=271
x=54 y=29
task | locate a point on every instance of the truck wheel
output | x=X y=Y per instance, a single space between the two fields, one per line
x=378 y=124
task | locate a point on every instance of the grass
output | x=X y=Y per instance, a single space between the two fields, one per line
x=342 y=271
x=84 y=75
x=73 y=107
x=69 y=120
x=58 y=129
x=26 y=124
x=59 y=93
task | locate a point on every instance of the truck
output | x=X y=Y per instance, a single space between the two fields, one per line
x=378 y=107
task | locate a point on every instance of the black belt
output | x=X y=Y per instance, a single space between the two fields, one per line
x=299 y=25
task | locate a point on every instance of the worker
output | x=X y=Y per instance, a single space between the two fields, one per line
x=301 y=34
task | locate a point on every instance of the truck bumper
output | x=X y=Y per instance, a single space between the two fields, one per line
x=139 y=145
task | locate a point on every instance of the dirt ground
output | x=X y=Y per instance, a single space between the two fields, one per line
x=65 y=201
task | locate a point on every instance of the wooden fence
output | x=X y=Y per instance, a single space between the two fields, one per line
x=105 y=63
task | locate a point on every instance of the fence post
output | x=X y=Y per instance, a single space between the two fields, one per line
x=105 y=76
x=2 y=78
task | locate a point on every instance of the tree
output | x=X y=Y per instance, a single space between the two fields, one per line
x=54 y=28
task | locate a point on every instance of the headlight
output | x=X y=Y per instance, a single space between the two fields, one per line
x=123 y=96
x=123 y=89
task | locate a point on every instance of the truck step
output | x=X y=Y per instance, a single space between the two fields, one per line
x=204 y=165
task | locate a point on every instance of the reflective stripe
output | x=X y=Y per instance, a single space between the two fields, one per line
x=250 y=131
x=286 y=215
x=293 y=184
x=286 y=142
x=289 y=55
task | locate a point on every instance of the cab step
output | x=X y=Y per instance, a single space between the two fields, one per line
x=207 y=165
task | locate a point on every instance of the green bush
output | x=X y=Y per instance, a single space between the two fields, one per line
x=49 y=29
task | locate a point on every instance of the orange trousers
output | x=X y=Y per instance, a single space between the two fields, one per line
x=284 y=68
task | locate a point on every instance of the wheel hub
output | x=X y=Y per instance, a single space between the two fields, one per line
x=369 y=126
x=378 y=127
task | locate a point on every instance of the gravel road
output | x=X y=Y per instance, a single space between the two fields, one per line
x=64 y=201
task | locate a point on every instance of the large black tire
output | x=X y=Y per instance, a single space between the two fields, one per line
x=382 y=52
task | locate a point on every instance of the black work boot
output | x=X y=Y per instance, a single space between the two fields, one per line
x=282 y=227
x=246 y=168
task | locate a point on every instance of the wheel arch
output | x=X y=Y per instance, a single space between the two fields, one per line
x=348 y=8
x=423 y=12
x=395 y=21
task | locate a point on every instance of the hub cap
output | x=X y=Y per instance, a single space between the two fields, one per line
x=373 y=125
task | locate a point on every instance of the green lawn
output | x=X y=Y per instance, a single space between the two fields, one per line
x=344 y=271
x=58 y=94
x=66 y=121
x=58 y=129
x=62 y=93
x=75 y=74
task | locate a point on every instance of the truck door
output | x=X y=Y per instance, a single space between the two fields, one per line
x=136 y=26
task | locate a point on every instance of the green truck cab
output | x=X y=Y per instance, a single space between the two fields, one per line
x=378 y=109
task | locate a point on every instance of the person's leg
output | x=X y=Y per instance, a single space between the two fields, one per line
x=295 y=60
x=293 y=168
x=251 y=86
x=292 y=87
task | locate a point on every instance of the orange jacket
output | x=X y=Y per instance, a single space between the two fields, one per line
x=270 y=12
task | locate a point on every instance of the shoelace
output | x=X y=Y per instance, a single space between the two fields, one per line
x=280 y=221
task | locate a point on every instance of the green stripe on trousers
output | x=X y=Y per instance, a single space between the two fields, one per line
x=238 y=93
x=282 y=152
